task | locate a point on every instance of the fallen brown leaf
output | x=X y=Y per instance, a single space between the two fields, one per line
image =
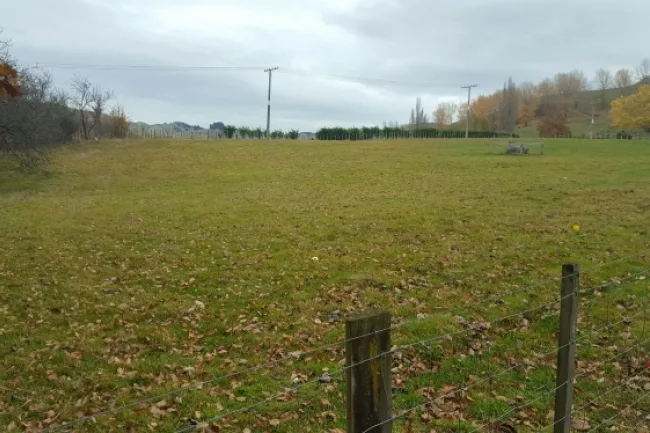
x=580 y=424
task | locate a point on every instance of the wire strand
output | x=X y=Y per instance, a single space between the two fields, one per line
x=644 y=395
x=284 y=359
x=272 y=363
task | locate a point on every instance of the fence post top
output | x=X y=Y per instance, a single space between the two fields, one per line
x=356 y=316
x=571 y=267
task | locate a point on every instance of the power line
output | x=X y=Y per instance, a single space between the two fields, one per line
x=369 y=80
x=289 y=71
x=142 y=67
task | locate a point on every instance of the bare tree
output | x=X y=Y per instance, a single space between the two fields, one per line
x=604 y=81
x=643 y=70
x=462 y=112
x=570 y=83
x=98 y=105
x=440 y=116
x=526 y=89
x=451 y=111
x=89 y=102
x=623 y=78
x=81 y=102
x=4 y=49
x=546 y=88
x=445 y=113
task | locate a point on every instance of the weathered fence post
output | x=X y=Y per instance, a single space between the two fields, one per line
x=566 y=355
x=369 y=393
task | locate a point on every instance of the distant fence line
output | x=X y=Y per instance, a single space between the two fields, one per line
x=220 y=135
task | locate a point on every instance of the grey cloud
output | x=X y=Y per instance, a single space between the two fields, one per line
x=528 y=39
x=442 y=44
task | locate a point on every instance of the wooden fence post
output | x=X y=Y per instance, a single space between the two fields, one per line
x=566 y=355
x=369 y=385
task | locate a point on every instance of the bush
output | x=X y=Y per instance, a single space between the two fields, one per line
x=33 y=123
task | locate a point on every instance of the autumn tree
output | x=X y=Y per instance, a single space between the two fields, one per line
x=118 y=122
x=486 y=107
x=623 y=78
x=527 y=103
x=476 y=122
x=632 y=112
x=555 y=122
x=604 y=82
x=9 y=80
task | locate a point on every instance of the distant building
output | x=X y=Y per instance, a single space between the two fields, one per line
x=306 y=136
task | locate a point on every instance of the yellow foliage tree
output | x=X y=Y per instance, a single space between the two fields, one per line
x=632 y=112
x=9 y=83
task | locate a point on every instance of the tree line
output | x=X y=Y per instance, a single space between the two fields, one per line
x=550 y=101
x=387 y=132
x=35 y=116
x=232 y=131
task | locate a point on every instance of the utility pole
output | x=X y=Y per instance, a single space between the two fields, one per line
x=591 y=128
x=268 y=108
x=469 y=96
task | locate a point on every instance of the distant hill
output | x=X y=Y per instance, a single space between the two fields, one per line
x=580 y=108
x=580 y=111
x=171 y=127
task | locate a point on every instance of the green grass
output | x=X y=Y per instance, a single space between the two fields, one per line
x=105 y=258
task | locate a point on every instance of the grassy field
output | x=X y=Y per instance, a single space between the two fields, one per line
x=138 y=268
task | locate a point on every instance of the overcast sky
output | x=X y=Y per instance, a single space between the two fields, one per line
x=421 y=48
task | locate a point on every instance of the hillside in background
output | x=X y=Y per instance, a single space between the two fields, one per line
x=580 y=111
x=567 y=103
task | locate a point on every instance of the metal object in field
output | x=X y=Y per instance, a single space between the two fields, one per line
x=519 y=147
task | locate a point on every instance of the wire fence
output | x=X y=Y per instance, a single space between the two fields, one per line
x=169 y=134
x=463 y=377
